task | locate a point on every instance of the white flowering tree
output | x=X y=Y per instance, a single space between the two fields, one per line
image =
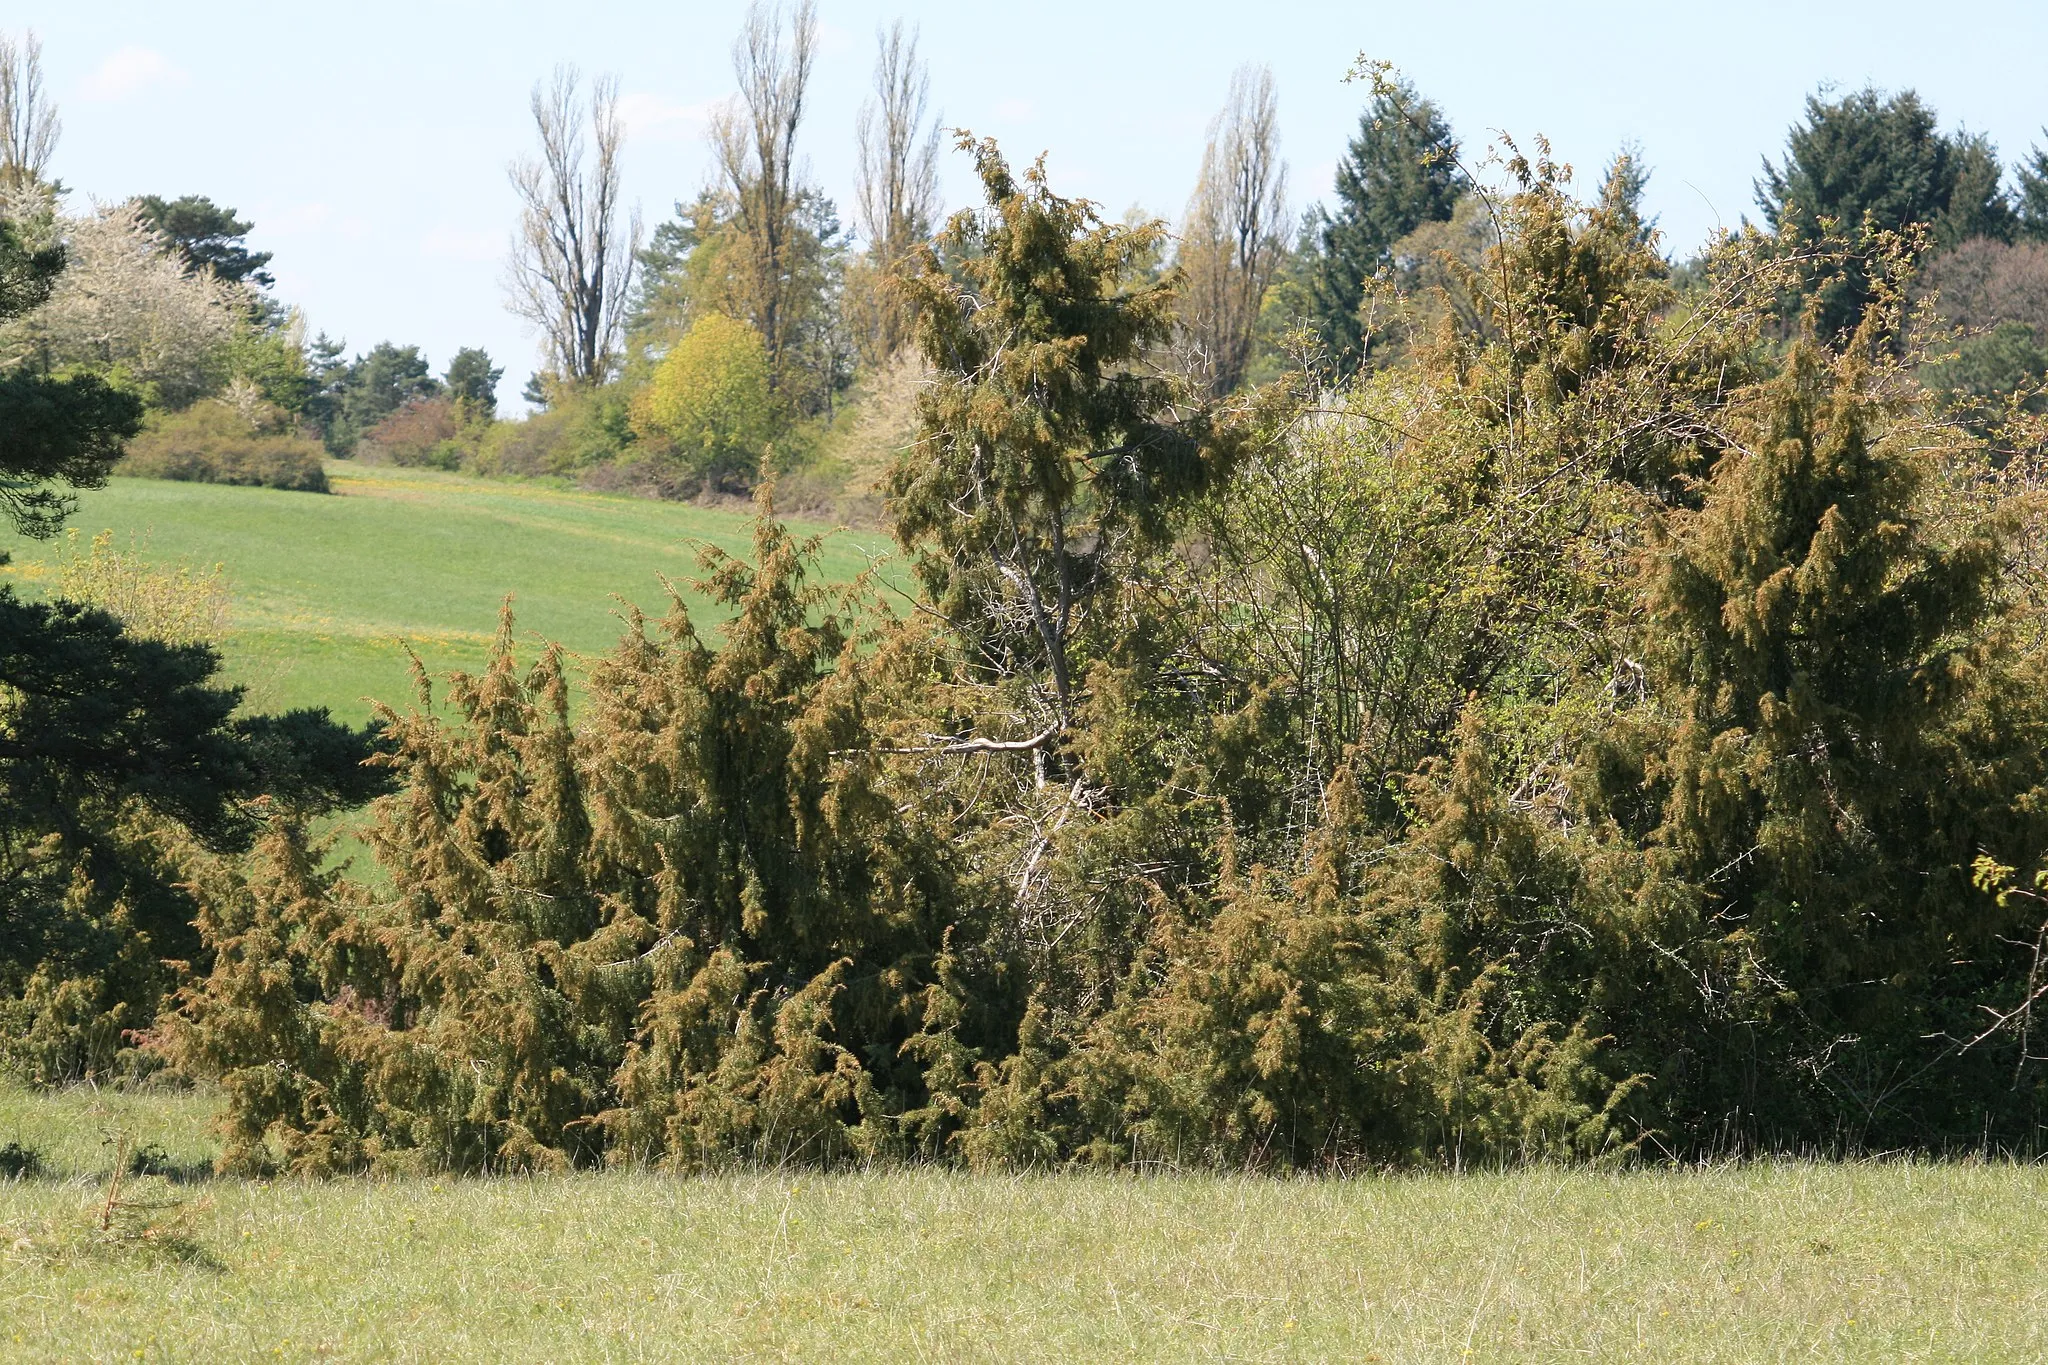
x=125 y=304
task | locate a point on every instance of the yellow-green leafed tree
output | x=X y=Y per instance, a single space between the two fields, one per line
x=708 y=406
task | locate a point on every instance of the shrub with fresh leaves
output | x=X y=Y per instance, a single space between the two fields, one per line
x=218 y=441
x=707 y=409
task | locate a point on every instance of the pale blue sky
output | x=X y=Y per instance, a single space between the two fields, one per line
x=368 y=139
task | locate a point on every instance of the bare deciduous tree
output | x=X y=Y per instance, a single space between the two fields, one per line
x=28 y=121
x=754 y=141
x=572 y=261
x=898 y=190
x=1231 y=243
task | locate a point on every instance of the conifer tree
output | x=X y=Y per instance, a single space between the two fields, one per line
x=1399 y=172
x=1827 y=655
x=698 y=926
x=2031 y=207
x=1867 y=164
x=1046 y=443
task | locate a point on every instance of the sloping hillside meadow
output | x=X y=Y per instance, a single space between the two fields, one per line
x=330 y=591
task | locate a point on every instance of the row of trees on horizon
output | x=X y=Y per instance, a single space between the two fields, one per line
x=633 y=394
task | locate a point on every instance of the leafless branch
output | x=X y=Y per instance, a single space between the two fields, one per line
x=571 y=263
x=753 y=142
x=28 y=121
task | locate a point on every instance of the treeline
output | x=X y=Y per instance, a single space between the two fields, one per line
x=163 y=301
x=756 y=334
x=1595 y=712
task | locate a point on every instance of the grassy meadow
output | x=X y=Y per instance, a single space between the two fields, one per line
x=329 y=591
x=1845 y=1262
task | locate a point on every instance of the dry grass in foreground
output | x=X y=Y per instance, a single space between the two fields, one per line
x=1856 y=1262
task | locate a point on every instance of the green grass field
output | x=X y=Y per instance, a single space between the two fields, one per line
x=1854 y=1262
x=329 y=590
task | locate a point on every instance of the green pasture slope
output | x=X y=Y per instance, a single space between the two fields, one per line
x=1852 y=1262
x=328 y=591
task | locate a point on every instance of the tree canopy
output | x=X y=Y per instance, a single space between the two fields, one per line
x=1868 y=163
x=1399 y=172
x=208 y=237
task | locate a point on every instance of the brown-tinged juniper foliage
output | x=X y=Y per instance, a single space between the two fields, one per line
x=1572 y=741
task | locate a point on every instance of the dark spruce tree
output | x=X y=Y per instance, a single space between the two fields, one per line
x=353 y=396
x=472 y=381
x=1865 y=164
x=2031 y=196
x=1400 y=171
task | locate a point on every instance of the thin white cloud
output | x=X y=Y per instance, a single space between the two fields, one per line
x=660 y=119
x=456 y=244
x=133 y=71
x=303 y=217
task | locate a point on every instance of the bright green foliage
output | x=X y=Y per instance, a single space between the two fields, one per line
x=274 y=364
x=708 y=406
x=584 y=430
x=1447 y=529
x=1866 y=164
x=175 y=604
x=330 y=592
x=1399 y=172
x=703 y=262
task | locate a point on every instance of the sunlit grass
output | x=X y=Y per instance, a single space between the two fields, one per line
x=329 y=591
x=1797 y=1261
